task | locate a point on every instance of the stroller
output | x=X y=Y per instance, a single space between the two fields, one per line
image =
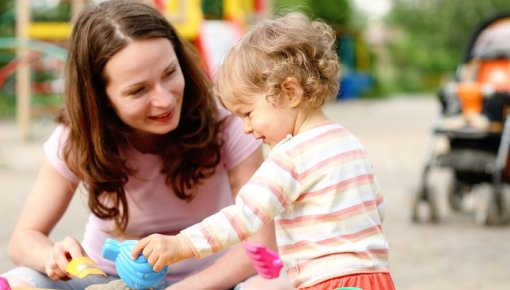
x=474 y=126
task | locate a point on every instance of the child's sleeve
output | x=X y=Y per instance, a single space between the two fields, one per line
x=271 y=189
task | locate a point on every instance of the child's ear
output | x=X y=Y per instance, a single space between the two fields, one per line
x=293 y=91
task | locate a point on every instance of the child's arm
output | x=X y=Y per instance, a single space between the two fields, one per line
x=161 y=250
x=267 y=193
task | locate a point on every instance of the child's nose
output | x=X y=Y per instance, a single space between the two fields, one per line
x=247 y=127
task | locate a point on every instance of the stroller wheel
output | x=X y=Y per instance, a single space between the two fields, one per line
x=503 y=203
x=486 y=209
x=456 y=194
x=455 y=201
x=425 y=206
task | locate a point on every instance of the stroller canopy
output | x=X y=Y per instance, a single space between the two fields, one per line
x=491 y=40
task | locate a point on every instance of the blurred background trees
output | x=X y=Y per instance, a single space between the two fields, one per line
x=432 y=39
x=7 y=18
x=415 y=47
x=335 y=12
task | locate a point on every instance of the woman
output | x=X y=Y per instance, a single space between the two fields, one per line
x=142 y=133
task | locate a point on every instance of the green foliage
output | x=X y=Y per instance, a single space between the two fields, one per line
x=335 y=12
x=7 y=19
x=7 y=105
x=213 y=9
x=59 y=13
x=7 y=28
x=435 y=36
x=285 y=4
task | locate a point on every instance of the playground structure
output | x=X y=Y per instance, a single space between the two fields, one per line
x=354 y=56
x=31 y=50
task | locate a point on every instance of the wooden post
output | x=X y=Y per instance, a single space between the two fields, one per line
x=76 y=7
x=23 y=78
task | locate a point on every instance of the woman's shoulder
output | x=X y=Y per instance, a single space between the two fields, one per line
x=53 y=149
x=58 y=136
x=237 y=146
x=223 y=113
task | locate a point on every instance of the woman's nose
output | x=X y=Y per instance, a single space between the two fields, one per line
x=162 y=97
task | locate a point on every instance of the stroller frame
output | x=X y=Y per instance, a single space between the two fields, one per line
x=478 y=161
x=477 y=155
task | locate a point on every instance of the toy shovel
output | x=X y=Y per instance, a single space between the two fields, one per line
x=266 y=262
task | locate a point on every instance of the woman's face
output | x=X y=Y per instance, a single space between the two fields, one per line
x=146 y=85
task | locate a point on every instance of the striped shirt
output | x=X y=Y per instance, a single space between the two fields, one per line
x=320 y=189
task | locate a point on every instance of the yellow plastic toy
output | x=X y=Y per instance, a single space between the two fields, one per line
x=81 y=267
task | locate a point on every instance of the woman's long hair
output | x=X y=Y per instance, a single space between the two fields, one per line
x=96 y=147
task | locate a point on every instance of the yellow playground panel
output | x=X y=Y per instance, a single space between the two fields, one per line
x=185 y=15
x=49 y=30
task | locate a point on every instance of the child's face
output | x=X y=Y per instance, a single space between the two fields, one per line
x=262 y=119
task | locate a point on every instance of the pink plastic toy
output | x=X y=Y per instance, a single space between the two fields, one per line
x=4 y=284
x=266 y=262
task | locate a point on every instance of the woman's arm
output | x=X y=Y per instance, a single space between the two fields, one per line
x=45 y=205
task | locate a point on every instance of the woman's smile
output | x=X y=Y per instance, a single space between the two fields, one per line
x=163 y=118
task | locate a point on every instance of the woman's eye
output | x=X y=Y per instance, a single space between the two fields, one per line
x=169 y=72
x=137 y=92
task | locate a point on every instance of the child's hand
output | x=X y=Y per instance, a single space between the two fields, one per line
x=161 y=250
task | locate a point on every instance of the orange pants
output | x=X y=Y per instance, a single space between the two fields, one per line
x=369 y=281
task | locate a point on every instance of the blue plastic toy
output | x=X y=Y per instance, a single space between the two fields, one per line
x=136 y=274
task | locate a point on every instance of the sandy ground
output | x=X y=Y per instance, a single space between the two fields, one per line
x=454 y=254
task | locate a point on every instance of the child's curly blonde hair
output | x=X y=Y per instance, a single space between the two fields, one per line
x=276 y=49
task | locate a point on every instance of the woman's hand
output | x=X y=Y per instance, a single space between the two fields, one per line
x=60 y=255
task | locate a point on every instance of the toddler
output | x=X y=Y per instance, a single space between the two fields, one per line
x=317 y=183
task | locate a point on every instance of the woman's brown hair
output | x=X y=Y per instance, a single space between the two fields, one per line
x=97 y=142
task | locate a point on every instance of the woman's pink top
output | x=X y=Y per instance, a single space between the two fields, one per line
x=153 y=206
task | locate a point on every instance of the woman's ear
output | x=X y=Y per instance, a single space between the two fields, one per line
x=292 y=91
